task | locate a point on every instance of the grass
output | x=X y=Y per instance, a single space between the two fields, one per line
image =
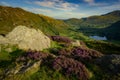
x=4 y=55
x=74 y=34
x=17 y=16
x=5 y=51
x=8 y=54
x=101 y=21
x=46 y=73
x=104 y=47
x=114 y=42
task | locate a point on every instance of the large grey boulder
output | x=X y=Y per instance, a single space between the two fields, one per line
x=28 y=38
x=3 y=40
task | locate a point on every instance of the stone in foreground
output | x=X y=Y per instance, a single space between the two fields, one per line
x=28 y=38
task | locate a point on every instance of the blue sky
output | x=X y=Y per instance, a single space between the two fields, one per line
x=64 y=9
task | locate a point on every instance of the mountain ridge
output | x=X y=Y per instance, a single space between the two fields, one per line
x=96 y=21
x=26 y=53
x=12 y=17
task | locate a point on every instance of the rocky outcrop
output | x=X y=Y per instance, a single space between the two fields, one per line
x=110 y=63
x=22 y=70
x=27 y=38
x=76 y=43
x=3 y=40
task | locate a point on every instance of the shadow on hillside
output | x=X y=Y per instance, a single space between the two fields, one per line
x=111 y=32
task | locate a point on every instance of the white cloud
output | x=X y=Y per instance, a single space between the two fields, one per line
x=45 y=3
x=4 y=3
x=98 y=4
x=38 y=10
x=62 y=10
x=93 y=3
x=75 y=14
x=115 y=6
x=56 y=14
x=67 y=5
x=56 y=4
x=89 y=1
x=68 y=15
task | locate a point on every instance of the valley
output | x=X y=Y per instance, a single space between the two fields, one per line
x=38 y=47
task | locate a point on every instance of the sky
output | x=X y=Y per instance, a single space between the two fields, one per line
x=64 y=9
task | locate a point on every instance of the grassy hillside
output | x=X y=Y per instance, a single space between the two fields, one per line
x=112 y=32
x=66 y=59
x=62 y=61
x=105 y=25
x=12 y=17
x=101 y=21
x=104 y=47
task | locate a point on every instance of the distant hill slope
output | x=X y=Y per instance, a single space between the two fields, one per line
x=11 y=17
x=101 y=21
x=113 y=31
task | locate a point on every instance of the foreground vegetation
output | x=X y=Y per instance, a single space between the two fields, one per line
x=62 y=61
x=66 y=59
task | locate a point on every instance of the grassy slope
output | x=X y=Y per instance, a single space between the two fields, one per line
x=46 y=73
x=112 y=32
x=104 y=25
x=48 y=25
x=104 y=47
x=101 y=21
x=12 y=17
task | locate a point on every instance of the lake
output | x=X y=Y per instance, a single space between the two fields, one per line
x=98 y=37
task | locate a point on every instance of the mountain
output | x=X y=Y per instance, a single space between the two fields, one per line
x=12 y=17
x=101 y=21
x=115 y=13
x=112 y=32
x=103 y=25
x=26 y=53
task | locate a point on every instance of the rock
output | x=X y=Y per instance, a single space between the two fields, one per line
x=0 y=49
x=28 y=38
x=3 y=40
x=76 y=43
x=111 y=63
x=8 y=49
x=28 y=70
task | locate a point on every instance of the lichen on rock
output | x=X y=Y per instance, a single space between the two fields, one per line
x=28 y=38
